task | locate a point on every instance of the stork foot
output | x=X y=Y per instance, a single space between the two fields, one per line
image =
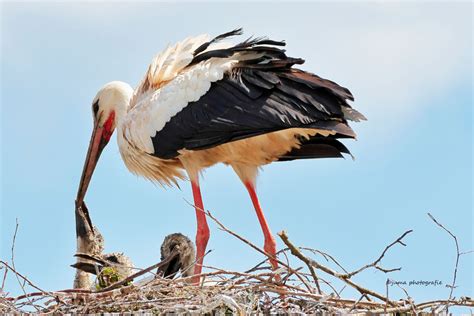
x=270 y=248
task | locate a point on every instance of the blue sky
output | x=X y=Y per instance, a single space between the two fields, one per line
x=408 y=65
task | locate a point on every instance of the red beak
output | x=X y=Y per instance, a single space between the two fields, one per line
x=96 y=145
x=99 y=139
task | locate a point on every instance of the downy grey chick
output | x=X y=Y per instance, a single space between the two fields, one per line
x=185 y=260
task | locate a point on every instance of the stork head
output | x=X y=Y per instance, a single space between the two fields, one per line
x=108 y=107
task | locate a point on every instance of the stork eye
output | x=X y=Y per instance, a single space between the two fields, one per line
x=95 y=107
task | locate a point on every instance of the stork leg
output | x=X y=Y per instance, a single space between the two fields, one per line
x=248 y=175
x=202 y=234
x=270 y=244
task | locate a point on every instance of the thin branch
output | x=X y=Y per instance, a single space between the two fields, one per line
x=18 y=274
x=257 y=266
x=299 y=255
x=340 y=292
x=355 y=303
x=413 y=308
x=325 y=256
x=359 y=288
x=183 y=270
x=115 y=285
x=458 y=255
x=466 y=252
x=376 y=262
x=22 y=286
x=4 y=279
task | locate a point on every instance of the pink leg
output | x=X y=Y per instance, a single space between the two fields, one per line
x=270 y=244
x=202 y=235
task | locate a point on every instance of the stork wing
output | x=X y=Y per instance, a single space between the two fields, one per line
x=232 y=93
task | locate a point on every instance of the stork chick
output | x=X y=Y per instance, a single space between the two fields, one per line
x=109 y=267
x=89 y=242
x=185 y=260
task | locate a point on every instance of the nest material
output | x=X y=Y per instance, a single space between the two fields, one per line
x=299 y=290
x=220 y=292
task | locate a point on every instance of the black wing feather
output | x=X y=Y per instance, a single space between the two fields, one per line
x=204 y=46
x=260 y=95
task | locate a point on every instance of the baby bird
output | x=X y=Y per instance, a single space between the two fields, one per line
x=88 y=242
x=109 y=268
x=185 y=260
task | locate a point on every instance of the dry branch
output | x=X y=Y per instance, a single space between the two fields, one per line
x=362 y=290
x=458 y=255
x=377 y=261
x=298 y=254
x=173 y=255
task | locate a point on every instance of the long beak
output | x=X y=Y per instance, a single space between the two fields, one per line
x=96 y=145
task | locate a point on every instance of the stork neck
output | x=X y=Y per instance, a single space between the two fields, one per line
x=120 y=114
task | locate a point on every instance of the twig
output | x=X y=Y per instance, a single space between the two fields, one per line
x=55 y=294
x=18 y=274
x=195 y=261
x=413 y=308
x=340 y=292
x=4 y=278
x=359 y=288
x=115 y=285
x=422 y=306
x=357 y=302
x=458 y=255
x=325 y=256
x=22 y=286
x=300 y=256
x=257 y=267
x=336 y=292
x=375 y=263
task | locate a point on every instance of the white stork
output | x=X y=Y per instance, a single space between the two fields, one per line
x=204 y=101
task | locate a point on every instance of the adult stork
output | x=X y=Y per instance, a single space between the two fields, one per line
x=204 y=101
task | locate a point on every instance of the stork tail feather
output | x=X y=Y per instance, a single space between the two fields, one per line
x=317 y=147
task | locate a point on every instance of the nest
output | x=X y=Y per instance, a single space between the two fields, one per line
x=303 y=287
x=220 y=292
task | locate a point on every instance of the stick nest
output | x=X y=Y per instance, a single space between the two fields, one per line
x=297 y=288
